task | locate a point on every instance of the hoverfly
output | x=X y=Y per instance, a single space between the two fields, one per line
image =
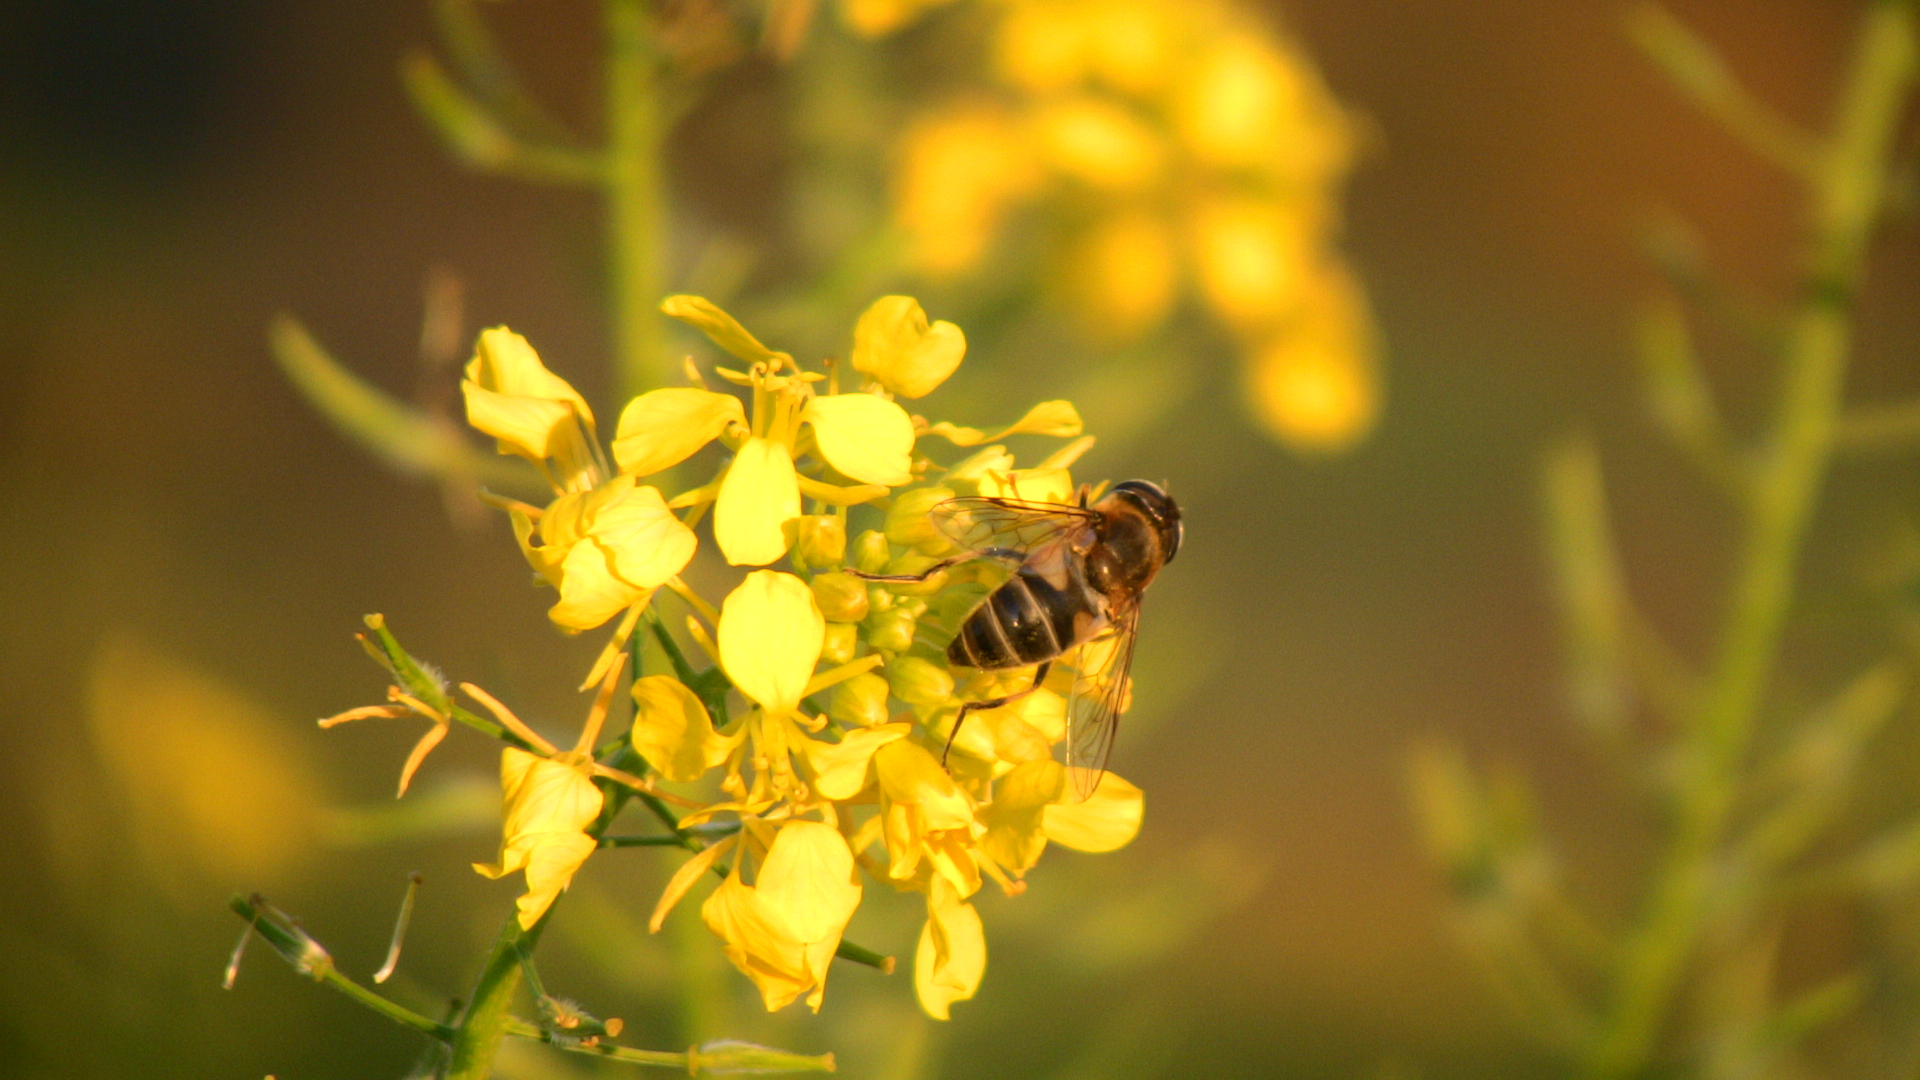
x=1079 y=571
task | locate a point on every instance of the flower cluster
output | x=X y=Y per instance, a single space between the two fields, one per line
x=809 y=749
x=1179 y=148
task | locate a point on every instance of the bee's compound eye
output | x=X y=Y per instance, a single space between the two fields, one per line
x=1159 y=507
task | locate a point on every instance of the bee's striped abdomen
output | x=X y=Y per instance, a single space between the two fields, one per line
x=1024 y=621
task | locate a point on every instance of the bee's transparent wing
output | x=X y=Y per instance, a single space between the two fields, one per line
x=1101 y=693
x=1007 y=527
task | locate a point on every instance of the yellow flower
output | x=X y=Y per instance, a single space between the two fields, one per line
x=925 y=816
x=1098 y=143
x=549 y=802
x=1108 y=820
x=604 y=549
x=534 y=413
x=1253 y=257
x=770 y=635
x=782 y=931
x=863 y=437
x=952 y=954
x=1126 y=272
x=894 y=343
x=873 y=18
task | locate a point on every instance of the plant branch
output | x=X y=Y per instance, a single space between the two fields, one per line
x=636 y=199
x=1848 y=194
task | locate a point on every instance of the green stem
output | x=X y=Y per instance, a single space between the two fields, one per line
x=636 y=199
x=1848 y=196
x=306 y=955
x=488 y=1019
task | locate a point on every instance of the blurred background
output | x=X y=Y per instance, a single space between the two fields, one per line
x=192 y=546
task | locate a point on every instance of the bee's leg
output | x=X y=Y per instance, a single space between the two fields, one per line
x=1039 y=676
x=913 y=578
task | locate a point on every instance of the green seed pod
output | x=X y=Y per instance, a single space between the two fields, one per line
x=861 y=700
x=909 y=526
x=891 y=630
x=823 y=540
x=870 y=551
x=841 y=639
x=919 y=682
x=841 y=596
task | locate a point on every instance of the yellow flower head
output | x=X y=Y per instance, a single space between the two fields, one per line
x=782 y=931
x=548 y=805
x=604 y=549
x=534 y=413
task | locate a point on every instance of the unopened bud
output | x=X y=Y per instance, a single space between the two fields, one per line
x=919 y=682
x=870 y=551
x=891 y=630
x=823 y=540
x=909 y=526
x=861 y=700
x=841 y=638
x=841 y=596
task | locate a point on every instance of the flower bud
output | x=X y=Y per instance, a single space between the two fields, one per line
x=919 y=682
x=861 y=701
x=840 y=641
x=823 y=540
x=892 y=630
x=913 y=562
x=841 y=596
x=909 y=526
x=870 y=552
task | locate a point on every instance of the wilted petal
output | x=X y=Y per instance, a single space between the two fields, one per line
x=759 y=496
x=867 y=438
x=672 y=730
x=531 y=411
x=661 y=428
x=952 y=955
x=648 y=544
x=770 y=636
x=1106 y=821
x=894 y=343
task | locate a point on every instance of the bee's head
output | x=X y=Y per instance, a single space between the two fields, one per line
x=1153 y=501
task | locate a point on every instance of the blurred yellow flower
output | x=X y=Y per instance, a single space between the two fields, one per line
x=1173 y=146
x=549 y=802
x=1312 y=384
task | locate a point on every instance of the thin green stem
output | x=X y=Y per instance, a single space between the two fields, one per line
x=1848 y=191
x=307 y=956
x=636 y=199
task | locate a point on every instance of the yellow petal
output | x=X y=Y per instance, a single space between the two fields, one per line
x=910 y=775
x=590 y=591
x=1041 y=48
x=505 y=363
x=809 y=878
x=646 y=542
x=840 y=769
x=524 y=425
x=1014 y=819
x=758 y=499
x=1055 y=418
x=1108 y=820
x=672 y=730
x=867 y=438
x=760 y=947
x=703 y=315
x=1031 y=485
x=770 y=636
x=952 y=955
x=547 y=804
x=662 y=428
x=894 y=343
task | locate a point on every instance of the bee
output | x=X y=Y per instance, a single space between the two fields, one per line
x=1079 y=570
